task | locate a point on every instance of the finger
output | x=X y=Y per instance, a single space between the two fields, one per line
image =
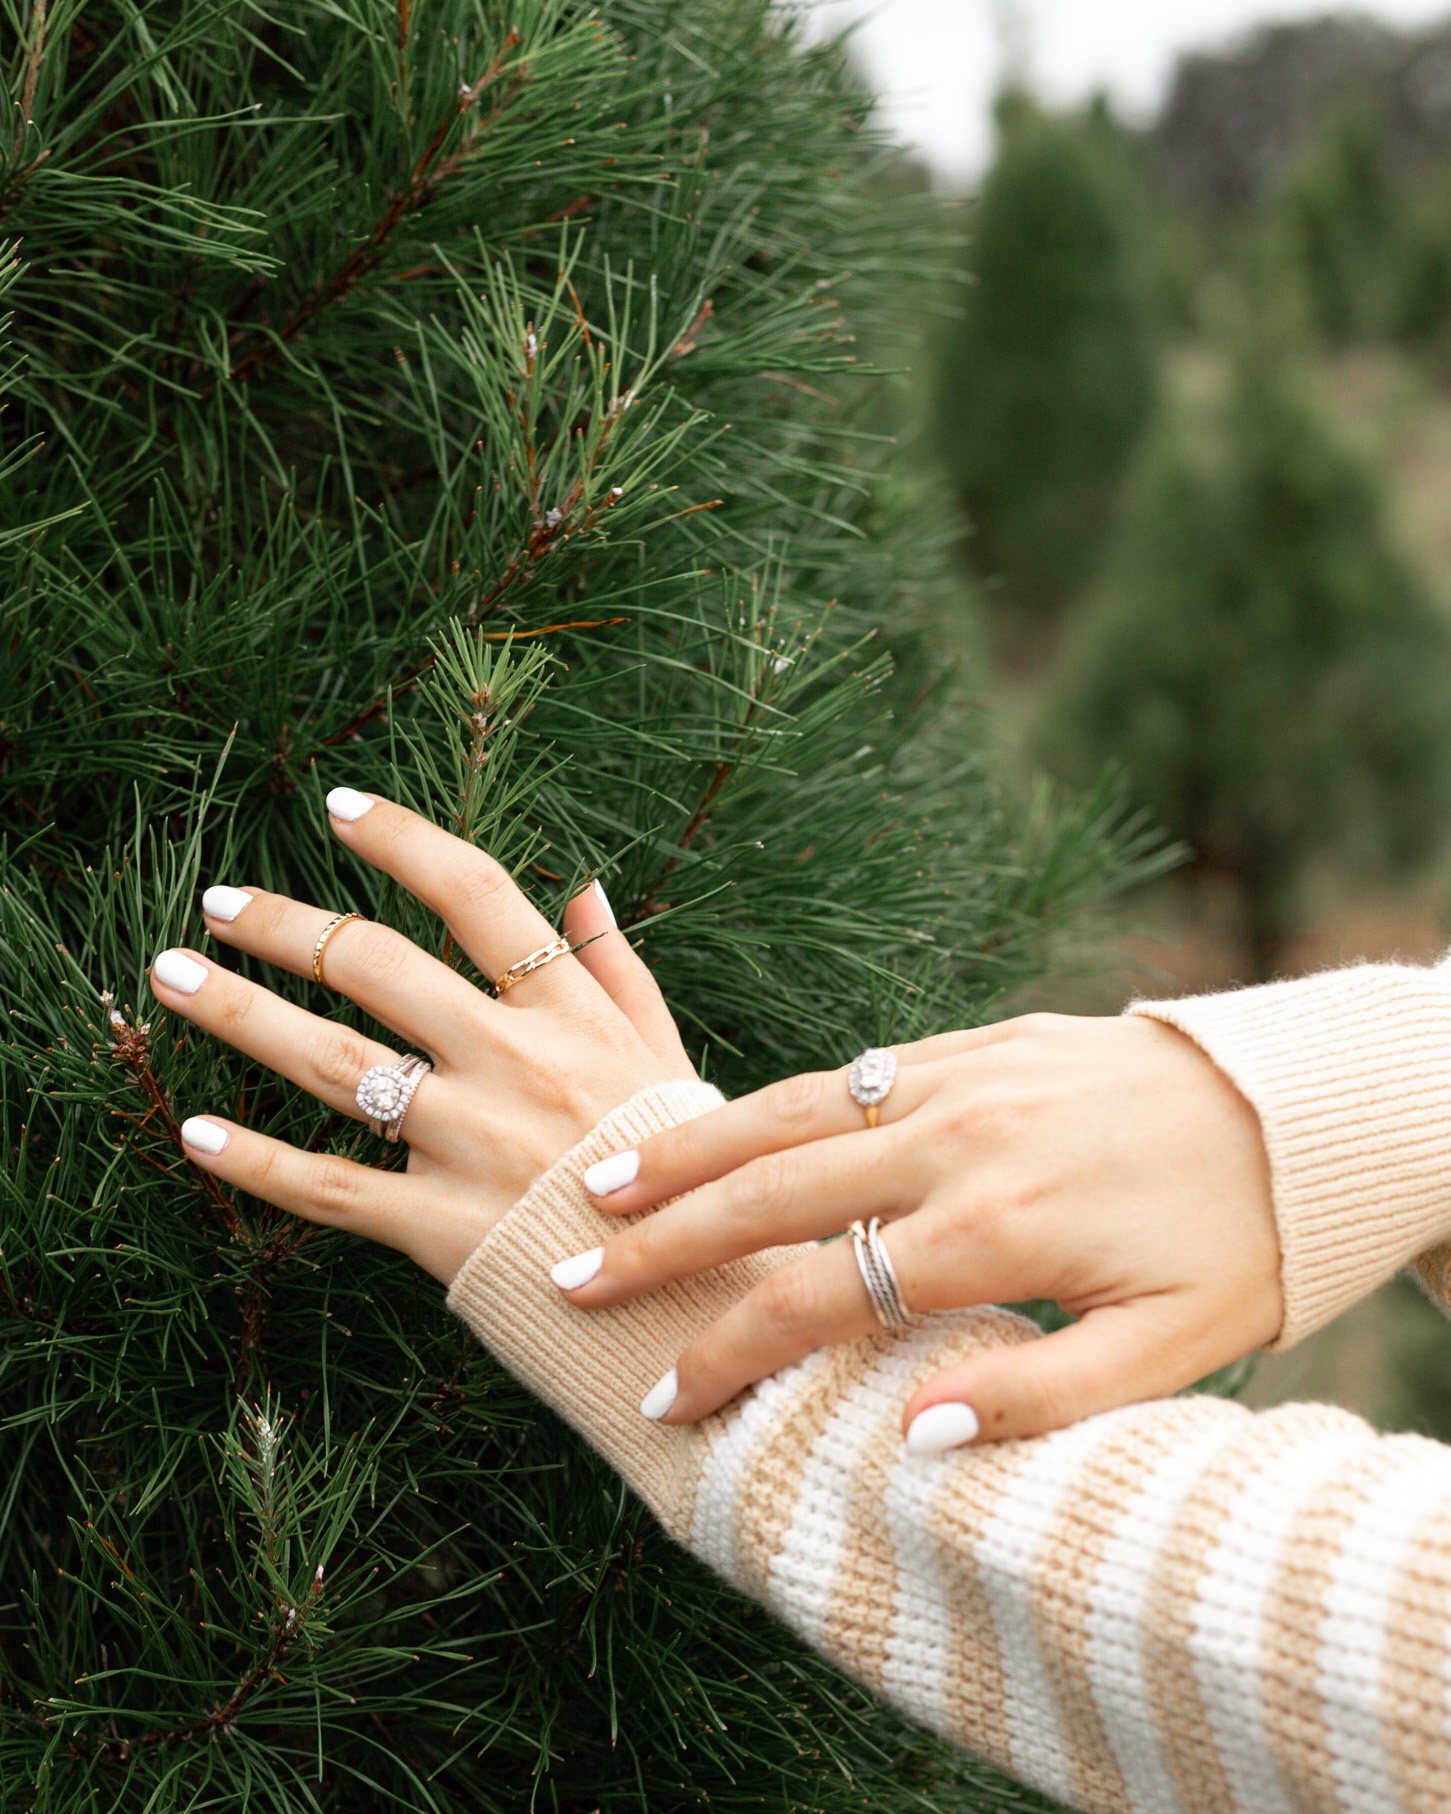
x=966 y=1039
x=807 y=1304
x=377 y=967
x=1116 y=1355
x=385 y=1206
x=475 y=897
x=812 y=1106
x=609 y=957
x=800 y=1195
x=326 y=1059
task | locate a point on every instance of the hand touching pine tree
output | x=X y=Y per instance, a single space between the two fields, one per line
x=457 y=400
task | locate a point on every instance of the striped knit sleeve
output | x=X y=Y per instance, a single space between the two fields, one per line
x=1174 y=1608
x=1350 y=1074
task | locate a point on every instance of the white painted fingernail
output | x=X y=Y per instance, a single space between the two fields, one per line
x=604 y=901
x=347 y=803
x=658 y=1400
x=578 y=1269
x=205 y=1136
x=608 y=1175
x=178 y=971
x=223 y=903
x=939 y=1427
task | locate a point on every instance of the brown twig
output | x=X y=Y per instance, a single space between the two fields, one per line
x=284 y=1243
x=430 y=170
x=686 y=343
x=132 y=1045
x=34 y=59
x=220 y=1720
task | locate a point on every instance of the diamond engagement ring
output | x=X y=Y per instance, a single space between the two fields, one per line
x=878 y=1274
x=870 y=1079
x=385 y=1092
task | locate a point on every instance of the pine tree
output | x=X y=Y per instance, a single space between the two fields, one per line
x=1046 y=385
x=1350 y=227
x=1261 y=657
x=456 y=400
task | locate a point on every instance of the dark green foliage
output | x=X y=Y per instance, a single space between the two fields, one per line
x=1045 y=386
x=1371 y=240
x=1261 y=658
x=350 y=340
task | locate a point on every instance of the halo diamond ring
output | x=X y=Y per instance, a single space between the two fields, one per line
x=384 y=1093
x=870 y=1079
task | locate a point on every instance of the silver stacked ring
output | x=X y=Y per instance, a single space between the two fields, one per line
x=384 y=1093
x=878 y=1274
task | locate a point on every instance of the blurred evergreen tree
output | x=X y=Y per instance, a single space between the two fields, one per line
x=1346 y=209
x=458 y=400
x=1045 y=385
x=1369 y=236
x=1261 y=658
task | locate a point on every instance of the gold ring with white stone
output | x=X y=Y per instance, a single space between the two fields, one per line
x=384 y=1093
x=870 y=1079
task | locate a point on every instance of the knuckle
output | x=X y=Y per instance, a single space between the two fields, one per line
x=334 y=1187
x=339 y=1059
x=764 y=1187
x=234 y=1009
x=1039 y=1023
x=797 y=1100
x=480 y=885
x=790 y=1299
x=379 y=951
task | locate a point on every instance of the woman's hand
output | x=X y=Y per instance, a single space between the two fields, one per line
x=516 y=1081
x=1107 y=1164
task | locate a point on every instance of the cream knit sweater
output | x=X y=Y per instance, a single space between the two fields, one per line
x=1176 y=1606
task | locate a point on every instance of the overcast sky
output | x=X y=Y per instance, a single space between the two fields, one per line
x=937 y=62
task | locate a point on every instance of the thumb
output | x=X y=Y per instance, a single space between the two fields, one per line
x=1117 y=1355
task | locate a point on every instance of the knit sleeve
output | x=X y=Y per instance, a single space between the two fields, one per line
x=1177 y=1608
x=1350 y=1074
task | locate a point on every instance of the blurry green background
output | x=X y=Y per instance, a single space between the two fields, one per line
x=1188 y=412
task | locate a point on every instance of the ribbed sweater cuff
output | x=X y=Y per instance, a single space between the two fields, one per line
x=595 y=1366
x=1350 y=1073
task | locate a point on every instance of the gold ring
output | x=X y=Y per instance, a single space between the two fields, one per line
x=536 y=960
x=335 y=924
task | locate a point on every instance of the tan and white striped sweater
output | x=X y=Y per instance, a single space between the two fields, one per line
x=1180 y=1605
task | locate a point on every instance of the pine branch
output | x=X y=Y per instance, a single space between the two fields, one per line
x=430 y=171
x=132 y=1046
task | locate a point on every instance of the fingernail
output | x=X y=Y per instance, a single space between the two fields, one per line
x=658 y=1400
x=608 y=1175
x=205 y=1136
x=578 y=1269
x=223 y=903
x=604 y=901
x=939 y=1427
x=347 y=803
x=178 y=971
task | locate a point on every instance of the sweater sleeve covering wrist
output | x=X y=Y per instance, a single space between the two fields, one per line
x=1174 y=1608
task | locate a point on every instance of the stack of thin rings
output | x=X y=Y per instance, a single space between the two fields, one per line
x=878 y=1274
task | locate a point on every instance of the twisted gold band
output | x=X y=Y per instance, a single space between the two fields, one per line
x=335 y=924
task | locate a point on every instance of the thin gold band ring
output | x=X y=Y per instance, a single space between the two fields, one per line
x=335 y=924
